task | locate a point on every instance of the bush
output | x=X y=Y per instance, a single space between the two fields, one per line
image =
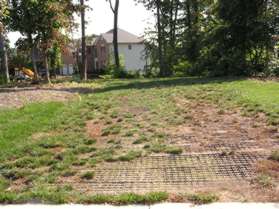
x=182 y=68
x=122 y=72
x=2 y=80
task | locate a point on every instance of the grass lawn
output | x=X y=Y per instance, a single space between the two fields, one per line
x=114 y=121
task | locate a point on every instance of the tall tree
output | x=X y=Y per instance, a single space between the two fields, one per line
x=247 y=32
x=160 y=38
x=24 y=15
x=83 y=42
x=55 y=17
x=3 y=50
x=165 y=35
x=115 y=10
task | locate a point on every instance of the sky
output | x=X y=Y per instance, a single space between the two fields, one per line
x=132 y=18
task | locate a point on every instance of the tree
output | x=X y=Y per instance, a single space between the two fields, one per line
x=83 y=42
x=3 y=46
x=166 y=33
x=115 y=10
x=42 y=22
x=244 y=36
x=212 y=37
x=160 y=38
x=55 y=16
x=24 y=17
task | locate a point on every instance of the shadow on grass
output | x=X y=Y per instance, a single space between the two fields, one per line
x=126 y=84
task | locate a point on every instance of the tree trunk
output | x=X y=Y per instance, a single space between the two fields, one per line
x=159 y=30
x=47 y=68
x=33 y=57
x=83 y=43
x=3 y=52
x=34 y=63
x=115 y=35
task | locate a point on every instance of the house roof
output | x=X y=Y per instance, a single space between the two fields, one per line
x=123 y=37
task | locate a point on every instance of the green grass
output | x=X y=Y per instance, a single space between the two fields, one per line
x=87 y=175
x=264 y=180
x=131 y=155
x=41 y=143
x=16 y=126
x=203 y=198
x=274 y=155
x=126 y=198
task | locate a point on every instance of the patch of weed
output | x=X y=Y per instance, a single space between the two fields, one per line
x=203 y=198
x=264 y=180
x=90 y=141
x=87 y=175
x=131 y=155
x=126 y=198
x=68 y=173
x=174 y=150
x=274 y=156
x=112 y=130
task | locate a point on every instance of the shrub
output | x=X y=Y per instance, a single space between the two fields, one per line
x=182 y=68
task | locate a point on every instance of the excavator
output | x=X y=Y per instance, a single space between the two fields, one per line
x=28 y=72
x=24 y=73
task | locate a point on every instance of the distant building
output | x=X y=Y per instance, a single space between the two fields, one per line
x=131 y=49
x=68 y=61
x=99 y=53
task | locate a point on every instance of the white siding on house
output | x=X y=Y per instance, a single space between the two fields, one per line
x=67 y=69
x=133 y=55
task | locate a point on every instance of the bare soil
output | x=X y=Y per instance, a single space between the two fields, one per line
x=19 y=97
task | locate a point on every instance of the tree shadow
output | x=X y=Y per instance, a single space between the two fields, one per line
x=165 y=83
x=127 y=84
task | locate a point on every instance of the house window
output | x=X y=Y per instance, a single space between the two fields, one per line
x=129 y=46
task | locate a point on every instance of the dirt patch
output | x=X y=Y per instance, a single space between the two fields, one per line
x=213 y=129
x=42 y=135
x=19 y=97
x=268 y=167
x=94 y=129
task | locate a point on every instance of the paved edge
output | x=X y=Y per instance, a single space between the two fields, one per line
x=157 y=206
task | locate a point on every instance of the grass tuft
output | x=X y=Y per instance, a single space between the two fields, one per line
x=264 y=180
x=126 y=199
x=274 y=156
x=174 y=150
x=130 y=156
x=203 y=198
x=87 y=175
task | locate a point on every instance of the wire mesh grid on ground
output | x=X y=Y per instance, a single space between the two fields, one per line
x=171 y=173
